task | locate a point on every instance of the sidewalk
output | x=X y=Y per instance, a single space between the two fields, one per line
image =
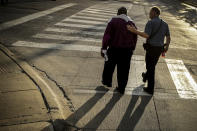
x=25 y=102
x=21 y=103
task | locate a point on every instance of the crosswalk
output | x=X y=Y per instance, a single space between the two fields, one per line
x=34 y=16
x=88 y=25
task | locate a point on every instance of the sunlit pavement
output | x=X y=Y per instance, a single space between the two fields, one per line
x=61 y=41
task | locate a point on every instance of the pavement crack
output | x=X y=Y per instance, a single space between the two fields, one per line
x=157 y=114
x=70 y=104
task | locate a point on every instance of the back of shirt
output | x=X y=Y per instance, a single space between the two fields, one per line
x=152 y=26
x=116 y=34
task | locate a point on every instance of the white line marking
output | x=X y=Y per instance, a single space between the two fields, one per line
x=89 y=18
x=136 y=69
x=184 y=28
x=94 y=15
x=84 y=21
x=129 y=92
x=33 y=16
x=185 y=84
x=160 y=95
x=72 y=31
x=103 y=9
x=100 y=27
x=100 y=13
x=182 y=47
x=98 y=10
x=64 y=37
x=58 y=46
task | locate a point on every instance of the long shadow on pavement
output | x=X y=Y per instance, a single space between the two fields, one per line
x=129 y=120
x=70 y=122
x=73 y=119
x=98 y=119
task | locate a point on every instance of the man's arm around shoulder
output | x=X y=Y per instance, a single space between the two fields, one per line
x=134 y=30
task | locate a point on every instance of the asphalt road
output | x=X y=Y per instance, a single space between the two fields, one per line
x=61 y=40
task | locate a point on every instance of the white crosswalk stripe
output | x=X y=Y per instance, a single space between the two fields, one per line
x=57 y=46
x=185 y=84
x=33 y=16
x=100 y=13
x=97 y=10
x=103 y=9
x=89 y=18
x=100 y=27
x=72 y=31
x=94 y=15
x=85 y=21
x=62 y=37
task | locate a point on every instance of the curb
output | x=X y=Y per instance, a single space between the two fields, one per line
x=55 y=105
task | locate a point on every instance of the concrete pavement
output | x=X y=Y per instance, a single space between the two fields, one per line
x=63 y=47
x=21 y=103
x=25 y=104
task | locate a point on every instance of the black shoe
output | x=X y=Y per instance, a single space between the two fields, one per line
x=147 y=91
x=119 y=90
x=144 y=77
x=106 y=84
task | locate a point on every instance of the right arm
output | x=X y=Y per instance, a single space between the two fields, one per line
x=135 y=31
x=106 y=38
x=144 y=34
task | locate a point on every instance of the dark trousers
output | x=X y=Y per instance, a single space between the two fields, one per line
x=152 y=57
x=120 y=57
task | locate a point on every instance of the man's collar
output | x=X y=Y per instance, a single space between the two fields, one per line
x=124 y=17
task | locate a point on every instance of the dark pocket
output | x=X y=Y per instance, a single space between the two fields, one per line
x=146 y=46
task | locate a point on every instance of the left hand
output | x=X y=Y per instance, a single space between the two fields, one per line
x=102 y=54
x=166 y=46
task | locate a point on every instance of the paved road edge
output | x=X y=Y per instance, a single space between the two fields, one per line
x=58 y=111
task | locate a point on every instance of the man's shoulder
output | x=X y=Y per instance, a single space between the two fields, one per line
x=164 y=22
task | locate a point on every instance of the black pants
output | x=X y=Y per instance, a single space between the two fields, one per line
x=152 y=57
x=120 y=57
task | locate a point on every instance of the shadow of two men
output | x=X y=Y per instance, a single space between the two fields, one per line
x=129 y=119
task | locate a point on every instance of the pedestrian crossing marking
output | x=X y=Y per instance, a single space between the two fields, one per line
x=96 y=27
x=89 y=18
x=185 y=84
x=93 y=15
x=34 y=16
x=100 y=13
x=136 y=68
x=57 y=46
x=104 y=11
x=127 y=92
x=85 y=21
x=72 y=31
x=62 y=37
